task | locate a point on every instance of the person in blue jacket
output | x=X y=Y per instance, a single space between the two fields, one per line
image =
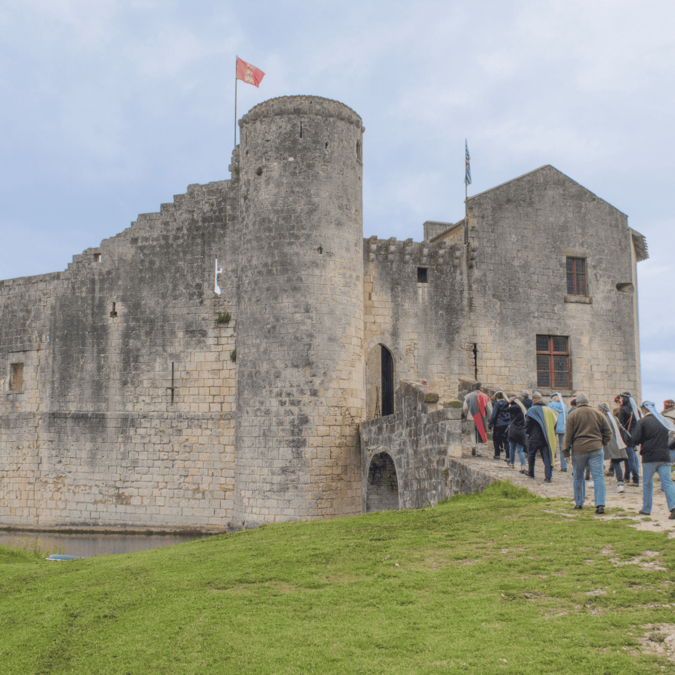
x=557 y=404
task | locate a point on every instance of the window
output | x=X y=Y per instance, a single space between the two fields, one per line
x=16 y=377
x=576 y=276
x=359 y=155
x=421 y=275
x=553 y=362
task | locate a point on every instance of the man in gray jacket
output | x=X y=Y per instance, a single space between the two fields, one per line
x=586 y=434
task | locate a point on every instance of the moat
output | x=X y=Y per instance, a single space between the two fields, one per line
x=90 y=545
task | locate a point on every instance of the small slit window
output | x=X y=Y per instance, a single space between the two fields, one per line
x=16 y=377
x=422 y=277
x=576 y=276
x=97 y=257
x=113 y=312
x=358 y=150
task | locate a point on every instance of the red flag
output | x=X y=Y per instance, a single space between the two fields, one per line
x=248 y=73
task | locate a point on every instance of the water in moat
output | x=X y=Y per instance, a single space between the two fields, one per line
x=90 y=545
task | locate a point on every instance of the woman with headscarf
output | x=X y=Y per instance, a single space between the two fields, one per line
x=628 y=418
x=669 y=414
x=516 y=436
x=615 y=450
x=558 y=406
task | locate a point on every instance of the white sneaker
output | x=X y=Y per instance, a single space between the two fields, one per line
x=620 y=488
x=589 y=483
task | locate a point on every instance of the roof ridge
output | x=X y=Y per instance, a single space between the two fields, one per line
x=541 y=168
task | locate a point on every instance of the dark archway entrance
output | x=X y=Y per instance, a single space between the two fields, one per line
x=382 y=488
x=380 y=382
x=387 y=382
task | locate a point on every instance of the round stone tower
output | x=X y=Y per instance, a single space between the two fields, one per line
x=300 y=390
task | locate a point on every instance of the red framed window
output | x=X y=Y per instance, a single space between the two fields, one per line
x=576 y=276
x=553 y=362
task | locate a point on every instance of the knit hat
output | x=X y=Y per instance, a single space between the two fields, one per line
x=582 y=398
x=668 y=403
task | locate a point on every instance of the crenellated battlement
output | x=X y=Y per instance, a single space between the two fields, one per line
x=408 y=251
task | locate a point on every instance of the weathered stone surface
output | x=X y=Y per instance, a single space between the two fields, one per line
x=419 y=443
x=136 y=409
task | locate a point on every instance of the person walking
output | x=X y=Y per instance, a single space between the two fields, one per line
x=628 y=418
x=669 y=414
x=478 y=405
x=499 y=423
x=586 y=434
x=651 y=432
x=615 y=450
x=669 y=409
x=540 y=429
x=573 y=407
x=516 y=436
x=558 y=406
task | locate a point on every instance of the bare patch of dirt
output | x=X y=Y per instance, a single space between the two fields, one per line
x=659 y=640
x=645 y=561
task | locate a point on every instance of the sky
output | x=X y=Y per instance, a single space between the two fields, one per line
x=109 y=108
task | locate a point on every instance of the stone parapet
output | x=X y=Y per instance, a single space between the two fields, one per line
x=302 y=105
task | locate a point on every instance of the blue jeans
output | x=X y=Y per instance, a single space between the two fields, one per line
x=545 y=455
x=632 y=465
x=513 y=448
x=563 y=463
x=594 y=460
x=663 y=469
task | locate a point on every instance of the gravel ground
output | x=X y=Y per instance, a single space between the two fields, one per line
x=616 y=505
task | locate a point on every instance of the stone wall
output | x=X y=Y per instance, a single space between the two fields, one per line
x=421 y=323
x=300 y=390
x=521 y=234
x=96 y=437
x=138 y=409
x=419 y=440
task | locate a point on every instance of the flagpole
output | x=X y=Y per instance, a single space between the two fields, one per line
x=236 y=58
x=466 y=197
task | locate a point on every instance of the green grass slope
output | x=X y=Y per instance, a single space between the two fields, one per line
x=497 y=582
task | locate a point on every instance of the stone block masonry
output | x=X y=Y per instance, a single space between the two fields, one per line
x=125 y=415
x=211 y=366
x=415 y=445
x=300 y=323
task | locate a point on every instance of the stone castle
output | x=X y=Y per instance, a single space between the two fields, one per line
x=245 y=356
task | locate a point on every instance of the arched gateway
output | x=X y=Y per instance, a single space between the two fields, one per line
x=382 y=488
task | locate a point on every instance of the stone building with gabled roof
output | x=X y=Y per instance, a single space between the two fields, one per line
x=223 y=362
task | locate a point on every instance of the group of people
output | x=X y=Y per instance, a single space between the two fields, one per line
x=584 y=436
